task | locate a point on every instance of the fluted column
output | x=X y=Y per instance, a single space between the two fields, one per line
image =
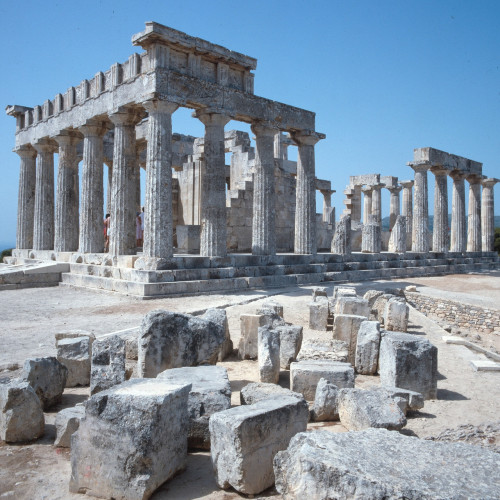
x=43 y=230
x=458 y=232
x=264 y=215
x=420 y=236
x=394 y=205
x=407 y=204
x=213 y=239
x=440 y=241
x=26 y=197
x=68 y=193
x=305 y=198
x=123 y=193
x=158 y=232
x=367 y=203
x=92 y=196
x=328 y=210
x=488 y=214
x=474 y=218
x=377 y=203
x=109 y=164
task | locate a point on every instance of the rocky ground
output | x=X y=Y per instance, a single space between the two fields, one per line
x=467 y=408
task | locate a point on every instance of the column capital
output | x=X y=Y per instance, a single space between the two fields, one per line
x=45 y=145
x=264 y=129
x=377 y=187
x=94 y=128
x=457 y=175
x=394 y=189
x=125 y=116
x=489 y=182
x=306 y=137
x=474 y=179
x=68 y=138
x=25 y=151
x=407 y=184
x=159 y=106
x=419 y=167
x=439 y=171
x=211 y=117
x=367 y=189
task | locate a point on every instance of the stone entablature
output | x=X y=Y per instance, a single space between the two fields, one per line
x=436 y=158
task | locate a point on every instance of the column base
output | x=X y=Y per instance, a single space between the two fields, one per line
x=151 y=263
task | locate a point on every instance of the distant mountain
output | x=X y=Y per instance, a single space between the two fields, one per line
x=385 y=222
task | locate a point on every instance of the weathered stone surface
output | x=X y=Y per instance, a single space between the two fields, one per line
x=269 y=355
x=367 y=348
x=352 y=305
x=258 y=391
x=219 y=318
x=319 y=291
x=342 y=291
x=249 y=327
x=210 y=393
x=246 y=438
x=74 y=354
x=409 y=362
x=397 y=241
x=360 y=409
x=378 y=308
x=372 y=236
x=74 y=334
x=413 y=400
x=142 y=428
x=108 y=363
x=345 y=328
x=396 y=315
x=290 y=344
x=318 y=313
x=67 y=423
x=47 y=377
x=326 y=350
x=271 y=305
x=172 y=340
x=21 y=413
x=341 y=241
x=305 y=375
x=374 y=464
x=371 y=296
x=326 y=404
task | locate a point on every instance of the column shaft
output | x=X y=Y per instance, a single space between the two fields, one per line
x=394 y=206
x=26 y=198
x=377 y=204
x=458 y=232
x=367 y=204
x=440 y=241
x=474 y=219
x=420 y=239
x=488 y=215
x=407 y=209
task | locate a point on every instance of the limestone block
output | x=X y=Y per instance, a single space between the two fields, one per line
x=319 y=291
x=341 y=241
x=258 y=391
x=318 y=314
x=108 y=363
x=172 y=340
x=396 y=315
x=210 y=393
x=249 y=327
x=219 y=318
x=326 y=405
x=74 y=354
x=290 y=344
x=188 y=238
x=21 y=413
x=305 y=375
x=378 y=307
x=371 y=296
x=367 y=348
x=47 y=377
x=246 y=438
x=352 y=305
x=269 y=355
x=67 y=423
x=360 y=409
x=319 y=349
x=374 y=464
x=342 y=291
x=413 y=401
x=345 y=327
x=73 y=334
x=409 y=362
x=271 y=305
x=132 y=439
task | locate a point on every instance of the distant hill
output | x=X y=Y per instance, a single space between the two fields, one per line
x=385 y=222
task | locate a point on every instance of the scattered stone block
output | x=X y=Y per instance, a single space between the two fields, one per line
x=210 y=393
x=343 y=291
x=318 y=314
x=374 y=464
x=409 y=362
x=74 y=354
x=326 y=350
x=21 y=413
x=305 y=375
x=352 y=305
x=319 y=291
x=378 y=308
x=326 y=404
x=269 y=355
x=271 y=306
x=341 y=241
x=258 y=391
x=360 y=409
x=219 y=318
x=396 y=315
x=132 y=439
x=67 y=423
x=47 y=377
x=245 y=440
x=108 y=363
x=411 y=288
x=345 y=328
x=173 y=340
x=290 y=344
x=74 y=334
x=413 y=401
x=367 y=348
x=249 y=327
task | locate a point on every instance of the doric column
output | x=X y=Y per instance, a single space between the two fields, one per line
x=377 y=203
x=371 y=236
x=356 y=205
x=407 y=204
x=264 y=216
x=440 y=241
x=67 y=197
x=92 y=196
x=123 y=195
x=394 y=205
x=474 y=219
x=213 y=239
x=305 y=199
x=26 y=198
x=458 y=231
x=158 y=232
x=328 y=210
x=420 y=235
x=488 y=214
x=43 y=230
x=367 y=202
x=109 y=164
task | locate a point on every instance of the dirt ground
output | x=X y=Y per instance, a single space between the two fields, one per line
x=31 y=317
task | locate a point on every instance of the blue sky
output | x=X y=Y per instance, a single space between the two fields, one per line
x=382 y=76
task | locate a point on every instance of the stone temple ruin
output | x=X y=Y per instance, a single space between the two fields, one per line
x=211 y=226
